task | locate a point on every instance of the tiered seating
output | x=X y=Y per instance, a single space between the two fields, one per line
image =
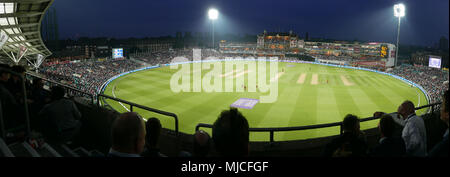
x=4 y=149
x=24 y=149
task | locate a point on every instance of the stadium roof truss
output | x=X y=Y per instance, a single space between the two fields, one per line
x=21 y=21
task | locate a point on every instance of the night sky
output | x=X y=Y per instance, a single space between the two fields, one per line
x=369 y=20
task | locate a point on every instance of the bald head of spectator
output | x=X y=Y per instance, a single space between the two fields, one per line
x=201 y=143
x=128 y=133
x=406 y=109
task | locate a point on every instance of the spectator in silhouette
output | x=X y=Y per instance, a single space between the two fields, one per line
x=414 y=132
x=153 y=127
x=15 y=83
x=10 y=106
x=61 y=117
x=399 y=123
x=39 y=97
x=230 y=134
x=201 y=144
x=128 y=136
x=351 y=143
x=388 y=146
x=441 y=149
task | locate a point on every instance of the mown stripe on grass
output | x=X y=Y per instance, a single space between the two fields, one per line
x=380 y=99
x=305 y=113
x=395 y=93
x=327 y=110
x=404 y=92
x=266 y=119
x=345 y=102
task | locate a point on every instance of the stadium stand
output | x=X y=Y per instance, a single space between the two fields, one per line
x=431 y=79
x=87 y=76
x=94 y=139
x=20 y=101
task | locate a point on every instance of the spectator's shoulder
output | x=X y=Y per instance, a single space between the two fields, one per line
x=46 y=107
x=417 y=120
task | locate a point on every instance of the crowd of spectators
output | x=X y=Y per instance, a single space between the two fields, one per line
x=434 y=81
x=162 y=57
x=402 y=134
x=345 y=57
x=87 y=76
x=333 y=57
x=50 y=113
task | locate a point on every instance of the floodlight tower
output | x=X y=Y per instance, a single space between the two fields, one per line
x=399 y=11
x=213 y=14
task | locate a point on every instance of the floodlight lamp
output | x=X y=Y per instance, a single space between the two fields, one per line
x=213 y=14
x=399 y=10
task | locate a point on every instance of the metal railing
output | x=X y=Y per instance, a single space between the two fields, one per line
x=308 y=127
x=142 y=107
x=71 y=91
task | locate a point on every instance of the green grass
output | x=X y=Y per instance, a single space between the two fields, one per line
x=297 y=104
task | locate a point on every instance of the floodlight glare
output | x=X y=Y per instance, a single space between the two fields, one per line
x=213 y=14
x=399 y=10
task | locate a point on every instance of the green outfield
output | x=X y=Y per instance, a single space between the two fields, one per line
x=308 y=94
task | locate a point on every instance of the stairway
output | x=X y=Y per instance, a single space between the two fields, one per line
x=24 y=149
x=4 y=150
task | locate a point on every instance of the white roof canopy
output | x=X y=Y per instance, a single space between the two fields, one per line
x=21 y=20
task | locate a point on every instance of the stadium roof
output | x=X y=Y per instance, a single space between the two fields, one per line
x=21 y=20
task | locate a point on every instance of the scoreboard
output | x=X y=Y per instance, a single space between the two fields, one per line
x=117 y=53
x=434 y=62
x=384 y=51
